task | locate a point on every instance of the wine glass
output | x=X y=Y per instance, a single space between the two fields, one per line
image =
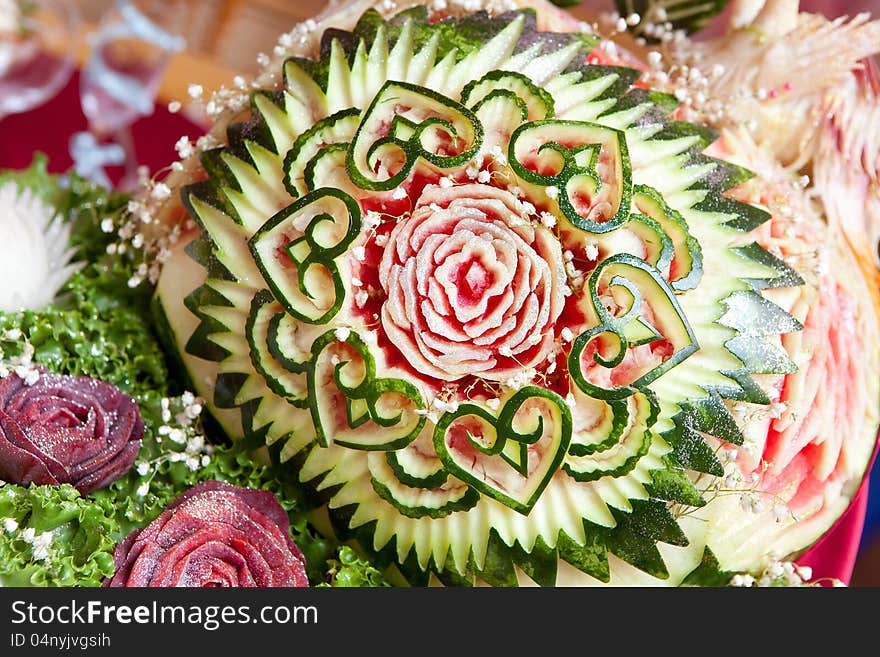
x=37 y=46
x=129 y=52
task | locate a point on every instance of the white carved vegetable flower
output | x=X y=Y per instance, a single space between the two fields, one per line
x=34 y=250
x=473 y=287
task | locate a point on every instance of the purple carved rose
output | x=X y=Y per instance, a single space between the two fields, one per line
x=60 y=429
x=214 y=535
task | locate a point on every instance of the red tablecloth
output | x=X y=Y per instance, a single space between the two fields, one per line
x=49 y=127
x=834 y=556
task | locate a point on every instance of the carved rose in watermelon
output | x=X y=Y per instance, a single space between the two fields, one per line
x=508 y=318
x=471 y=285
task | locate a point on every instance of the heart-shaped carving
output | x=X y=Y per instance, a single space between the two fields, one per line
x=353 y=407
x=664 y=340
x=511 y=457
x=297 y=248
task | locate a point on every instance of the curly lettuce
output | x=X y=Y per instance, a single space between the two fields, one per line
x=52 y=536
x=348 y=569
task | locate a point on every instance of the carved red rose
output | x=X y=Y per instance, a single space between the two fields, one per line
x=214 y=535
x=59 y=429
x=472 y=286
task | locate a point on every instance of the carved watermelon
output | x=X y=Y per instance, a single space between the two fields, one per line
x=504 y=319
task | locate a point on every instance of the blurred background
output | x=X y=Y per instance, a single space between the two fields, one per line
x=229 y=33
x=222 y=39
x=232 y=32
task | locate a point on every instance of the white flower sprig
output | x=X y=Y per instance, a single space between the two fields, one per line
x=778 y=573
x=16 y=356
x=182 y=431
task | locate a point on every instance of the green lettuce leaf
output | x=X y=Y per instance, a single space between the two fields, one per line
x=348 y=569
x=52 y=536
